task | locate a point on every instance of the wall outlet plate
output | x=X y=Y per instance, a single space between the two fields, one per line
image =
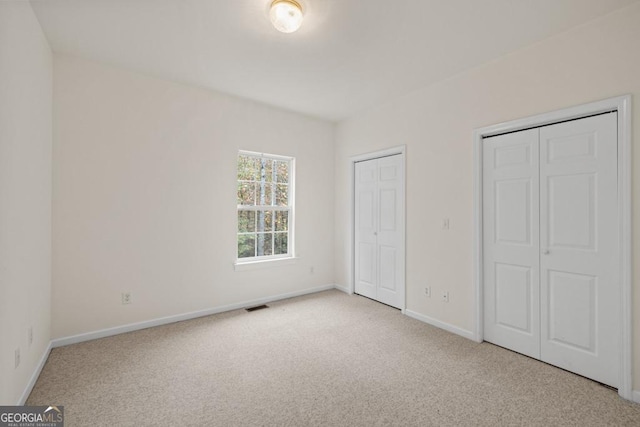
x=427 y=291
x=126 y=298
x=445 y=296
x=17 y=357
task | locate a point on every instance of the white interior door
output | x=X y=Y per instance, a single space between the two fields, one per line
x=379 y=229
x=366 y=227
x=550 y=245
x=579 y=279
x=511 y=242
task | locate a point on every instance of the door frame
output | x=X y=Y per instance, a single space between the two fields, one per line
x=621 y=104
x=399 y=150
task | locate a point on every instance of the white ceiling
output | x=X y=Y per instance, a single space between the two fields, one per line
x=348 y=55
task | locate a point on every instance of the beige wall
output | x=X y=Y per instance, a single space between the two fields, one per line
x=25 y=196
x=596 y=61
x=145 y=197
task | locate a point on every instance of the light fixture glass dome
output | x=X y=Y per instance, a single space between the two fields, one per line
x=286 y=15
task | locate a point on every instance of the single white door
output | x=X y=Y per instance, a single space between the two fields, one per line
x=550 y=245
x=579 y=279
x=511 y=242
x=379 y=229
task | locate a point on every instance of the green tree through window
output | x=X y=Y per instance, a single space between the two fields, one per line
x=264 y=205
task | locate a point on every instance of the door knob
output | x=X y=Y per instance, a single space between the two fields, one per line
x=545 y=252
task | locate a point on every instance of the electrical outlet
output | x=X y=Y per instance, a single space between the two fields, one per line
x=311 y=270
x=445 y=223
x=30 y=335
x=17 y=354
x=427 y=291
x=445 y=296
x=126 y=298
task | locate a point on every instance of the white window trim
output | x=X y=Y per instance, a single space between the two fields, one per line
x=271 y=260
x=264 y=263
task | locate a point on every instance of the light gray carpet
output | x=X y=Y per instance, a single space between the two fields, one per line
x=325 y=359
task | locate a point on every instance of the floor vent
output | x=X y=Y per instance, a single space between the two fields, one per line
x=257 y=307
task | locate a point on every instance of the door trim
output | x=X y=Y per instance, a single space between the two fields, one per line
x=401 y=150
x=622 y=105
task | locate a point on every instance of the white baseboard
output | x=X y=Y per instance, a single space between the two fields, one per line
x=34 y=376
x=636 y=396
x=74 y=339
x=341 y=288
x=442 y=325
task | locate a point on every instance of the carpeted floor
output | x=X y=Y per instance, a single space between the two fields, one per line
x=325 y=359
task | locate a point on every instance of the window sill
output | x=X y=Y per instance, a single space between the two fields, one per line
x=267 y=263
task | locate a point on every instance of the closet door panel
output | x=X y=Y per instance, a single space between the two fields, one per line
x=366 y=225
x=510 y=234
x=580 y=287
x=390 y=233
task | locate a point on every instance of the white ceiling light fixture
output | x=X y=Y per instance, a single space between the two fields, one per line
x=286 y=15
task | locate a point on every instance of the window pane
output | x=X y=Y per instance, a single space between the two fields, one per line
x=282 y=221
x=266 y=170
x=265 y=244
x=280 y=245
x=248 y=168
x=246 y=193
x=246 y=221
x=264 y=194
x=282 y=195
x=246 y=245
x=264 y=221
x=282 y=171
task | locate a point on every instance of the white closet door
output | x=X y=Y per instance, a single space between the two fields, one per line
x=550 y=242
x=511 y=241
x=390 y=231
x=580 y=288
x=366 y=227
x=379 y=230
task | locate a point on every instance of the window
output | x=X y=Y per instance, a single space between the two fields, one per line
x=265 y=206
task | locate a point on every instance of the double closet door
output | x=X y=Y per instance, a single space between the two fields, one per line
x=379 y=229
x=550 y=245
